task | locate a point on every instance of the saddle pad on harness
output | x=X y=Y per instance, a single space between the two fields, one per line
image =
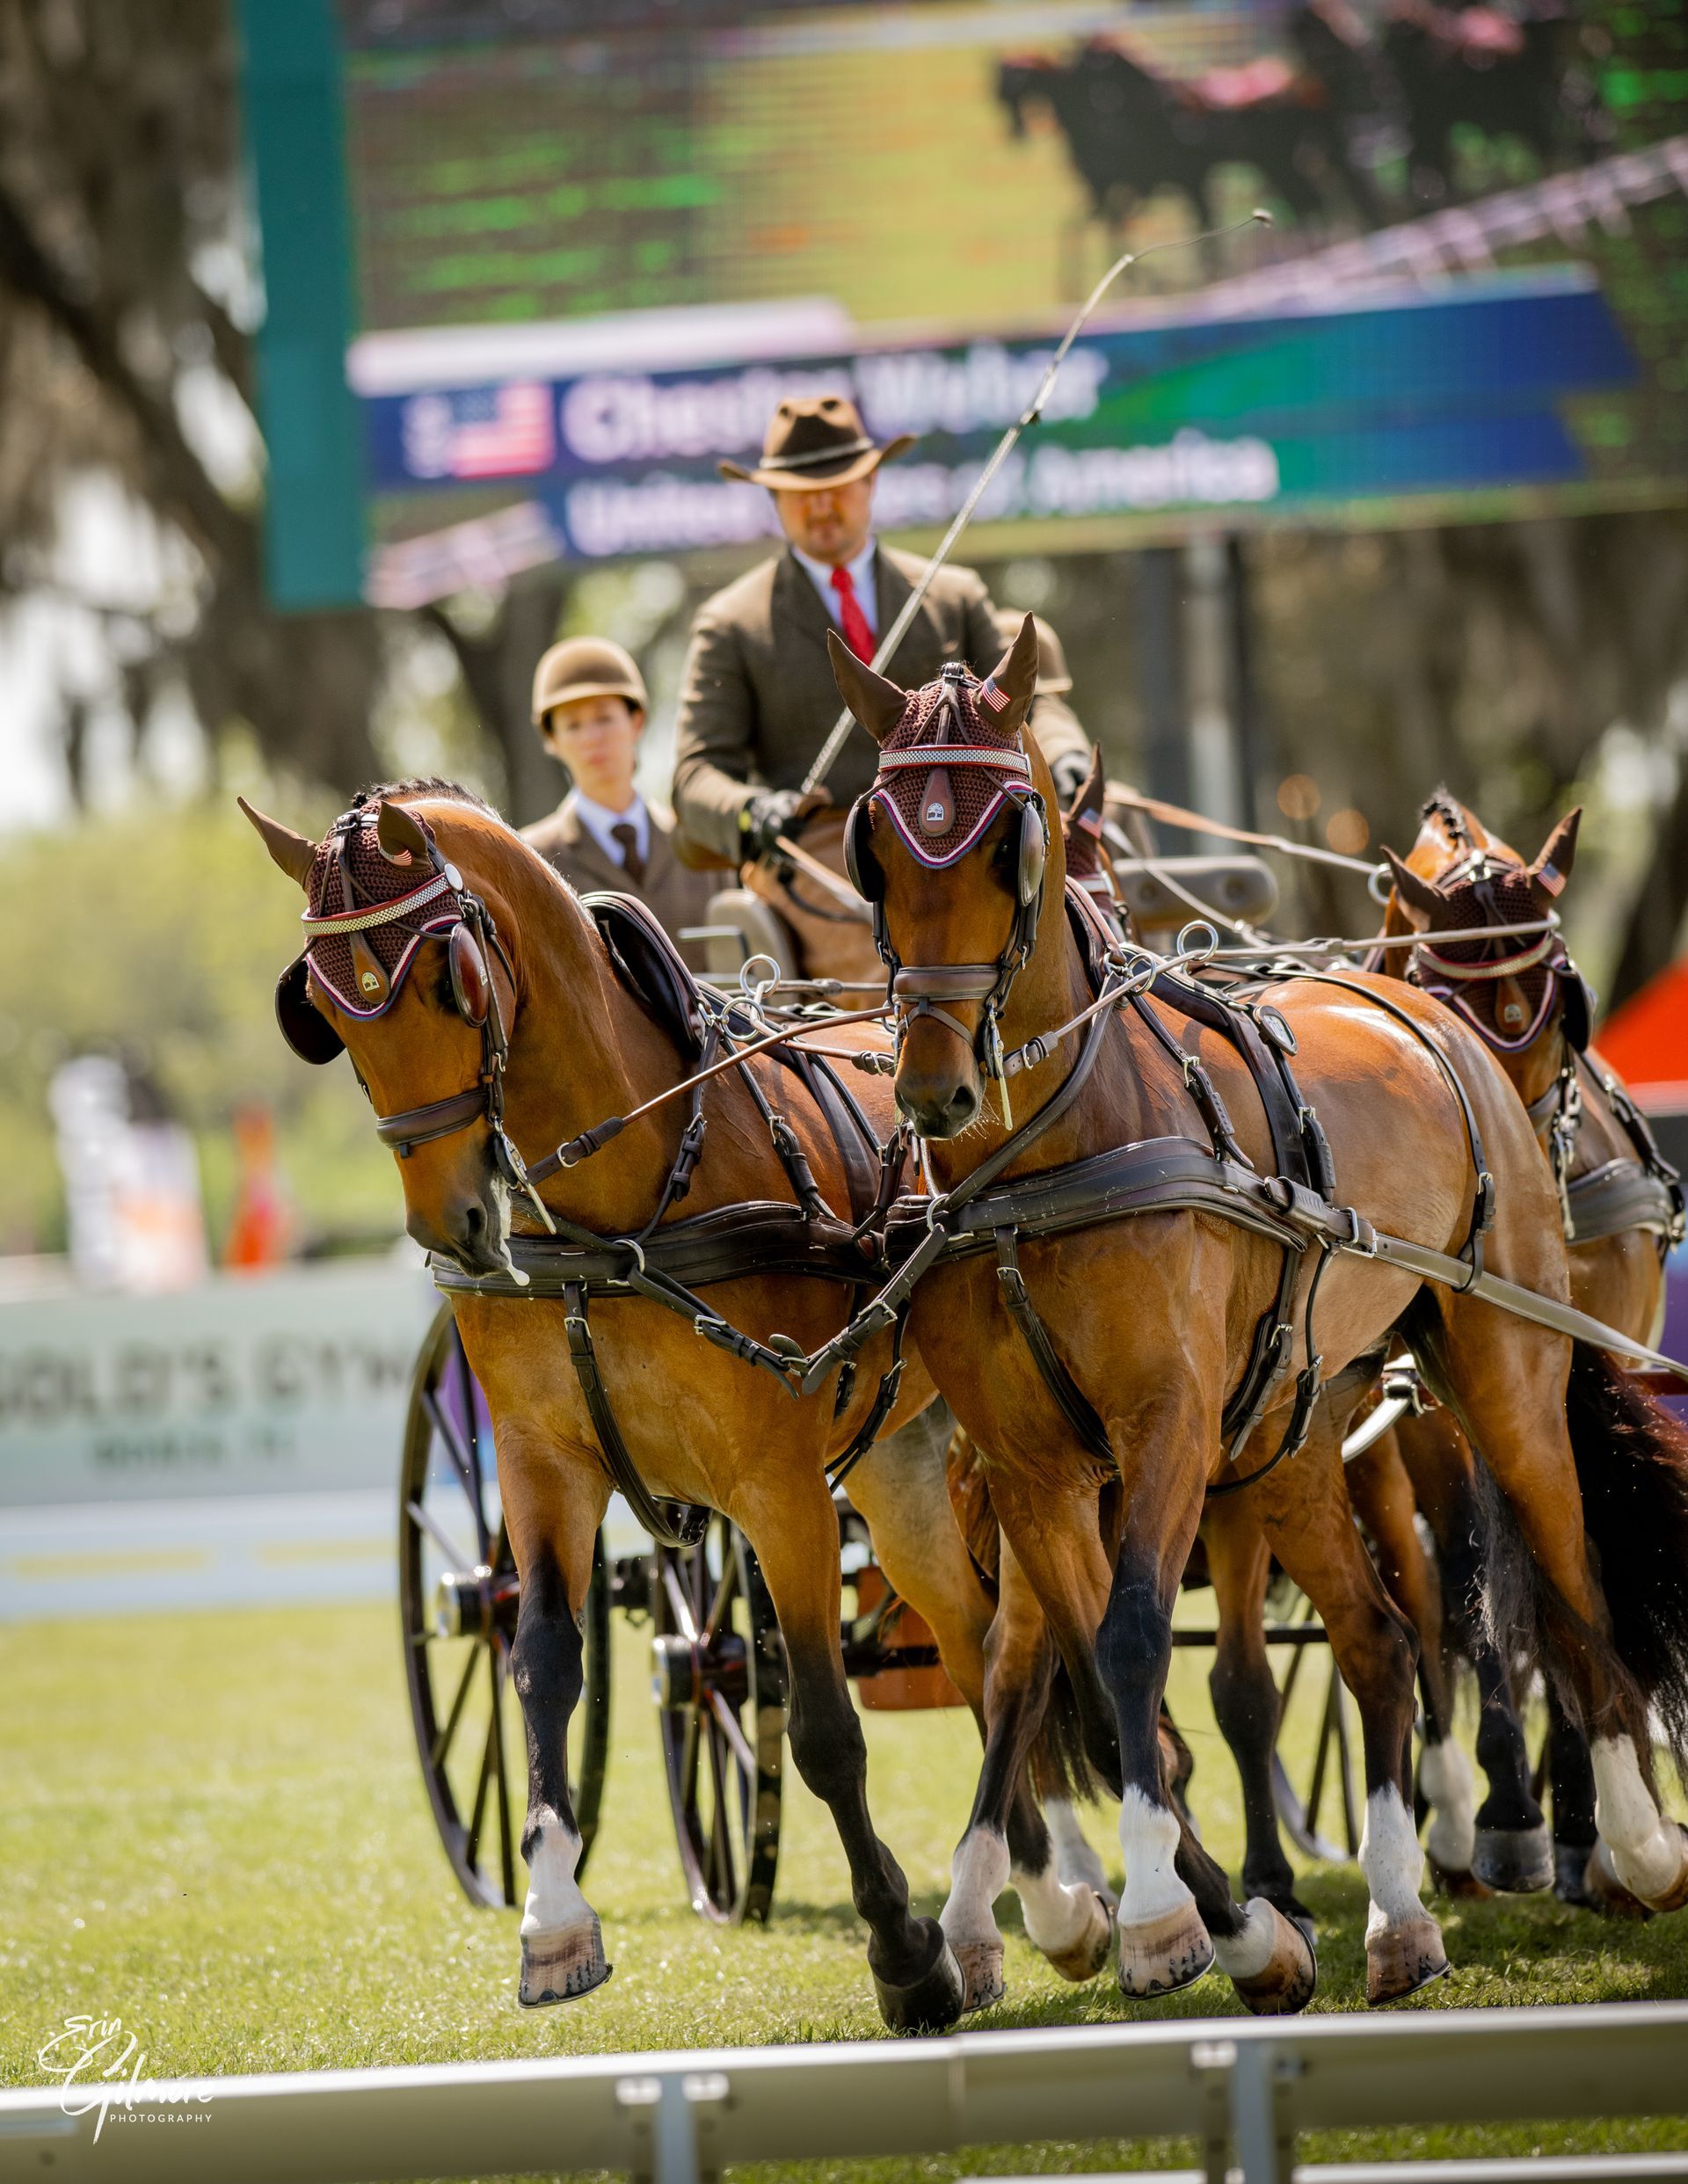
x=651 y=967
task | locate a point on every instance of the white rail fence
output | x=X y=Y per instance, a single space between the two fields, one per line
x=1242 y=2089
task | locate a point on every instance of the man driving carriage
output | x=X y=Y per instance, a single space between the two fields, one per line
x=759 y=700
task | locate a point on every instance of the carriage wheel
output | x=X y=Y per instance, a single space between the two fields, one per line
x=1332 y=1777
x=720 y=1681
x=458 y=1596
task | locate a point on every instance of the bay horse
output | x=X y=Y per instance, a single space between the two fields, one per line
x=484 y=1009
x=1236 y=1557
x=1103 y=1439
x=1621 y=1207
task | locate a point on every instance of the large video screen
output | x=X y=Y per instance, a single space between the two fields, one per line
x=593 y=245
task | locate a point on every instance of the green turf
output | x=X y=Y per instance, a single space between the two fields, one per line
x=212 y=1825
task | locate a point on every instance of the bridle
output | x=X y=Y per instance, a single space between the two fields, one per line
x=918 y=990
x=1445 y=976
x=440 y=907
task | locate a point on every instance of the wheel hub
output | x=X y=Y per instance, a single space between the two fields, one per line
x=684 y=1671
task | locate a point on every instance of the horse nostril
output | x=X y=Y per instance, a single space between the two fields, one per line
x=963 y=1105
x=473 y=1222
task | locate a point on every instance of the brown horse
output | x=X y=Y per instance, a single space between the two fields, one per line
x=1237 y=1559
x=410 y=1001
x=1104 y=1438
x=1523 y=996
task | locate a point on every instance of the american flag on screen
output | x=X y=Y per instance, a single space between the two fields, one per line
x=481 y=432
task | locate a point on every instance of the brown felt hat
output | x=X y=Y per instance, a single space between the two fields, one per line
x=817 y=439
x=1053 y=679
x=585 y=667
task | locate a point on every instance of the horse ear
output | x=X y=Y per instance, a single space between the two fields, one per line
x=878 y=704
x=400 y=834
x=1552 y=868
x=1416 y=893
x=291 y=852
x=1086 y=802
x=1015 y=676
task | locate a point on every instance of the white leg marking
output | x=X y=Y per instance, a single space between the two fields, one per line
x=1391 y=1862
x=1245 y=1956
x=1076 y=1859
x=979 y=1873
x=1445 y=1776
x=1056 y=1913
x=1646 y=1850
x=555 y=1903
x=1148 y=1837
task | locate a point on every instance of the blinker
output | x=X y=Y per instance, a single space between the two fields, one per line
x=470 y=984
x=304 y=1026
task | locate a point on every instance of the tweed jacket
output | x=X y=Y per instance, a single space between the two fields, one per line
x=758 y=699
x=677 y=897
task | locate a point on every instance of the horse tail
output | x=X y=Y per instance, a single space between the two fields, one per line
x=1632 y=1466
x=970 y=1497
x=1060 y=1765
x=1060 y=1760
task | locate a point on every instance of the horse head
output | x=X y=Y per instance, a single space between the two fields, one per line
x=409 y=966
x=1022 y=78
x=961 y=791
x=1461 y=877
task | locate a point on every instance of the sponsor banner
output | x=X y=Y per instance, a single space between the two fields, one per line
x=280 y=1383
x=1462 y=389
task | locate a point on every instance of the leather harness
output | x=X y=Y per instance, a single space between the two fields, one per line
x=898 y=1238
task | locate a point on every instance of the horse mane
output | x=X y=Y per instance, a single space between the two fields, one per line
x=416 y=786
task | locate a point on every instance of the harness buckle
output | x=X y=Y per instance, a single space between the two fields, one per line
x=1483 y=1210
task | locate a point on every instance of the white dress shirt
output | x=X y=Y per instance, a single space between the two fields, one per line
x=599 y=821
x=861 y=570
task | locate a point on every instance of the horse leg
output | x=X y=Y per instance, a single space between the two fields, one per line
x=1571 y=1773
x=1246 y=1702
x=794 y=1531
x=1304 y=1508
x=1176 y=1913
x=1077 y=1860
x=562 y=1944
x=1382 y=1495
x=1508 y=1381
x=1006 y=1840
x=901 y=1488
x=1511 y=1851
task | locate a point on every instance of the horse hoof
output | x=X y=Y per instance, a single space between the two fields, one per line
x=981 y=1973
x=1163 y=1954
x=934 y=2000
x=1285 y=1984
x=562 y=1966
x=1604 y=1893
x=1460 y=1887
x=1084 y=1958
x=1674 y=1893
x=1403 y=1957
x=1514 y=1861
x=1571 y=1876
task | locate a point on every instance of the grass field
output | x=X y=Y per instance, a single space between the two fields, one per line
x=213 y=1826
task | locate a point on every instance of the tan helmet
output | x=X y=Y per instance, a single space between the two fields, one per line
x=1052 y=678
x=585 y=667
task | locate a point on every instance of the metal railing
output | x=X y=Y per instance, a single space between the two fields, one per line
x=1241 y=2089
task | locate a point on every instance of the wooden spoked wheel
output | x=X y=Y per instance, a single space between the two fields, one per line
x=1328 y=1787
x=719 y=1676
x=458 y=1596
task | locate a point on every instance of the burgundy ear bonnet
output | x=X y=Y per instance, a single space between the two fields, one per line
x=949 y=765
x=360 y=962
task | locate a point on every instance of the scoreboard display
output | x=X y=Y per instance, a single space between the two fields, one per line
x=535 y=266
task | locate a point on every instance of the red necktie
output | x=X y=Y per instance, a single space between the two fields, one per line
x=851 y=619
